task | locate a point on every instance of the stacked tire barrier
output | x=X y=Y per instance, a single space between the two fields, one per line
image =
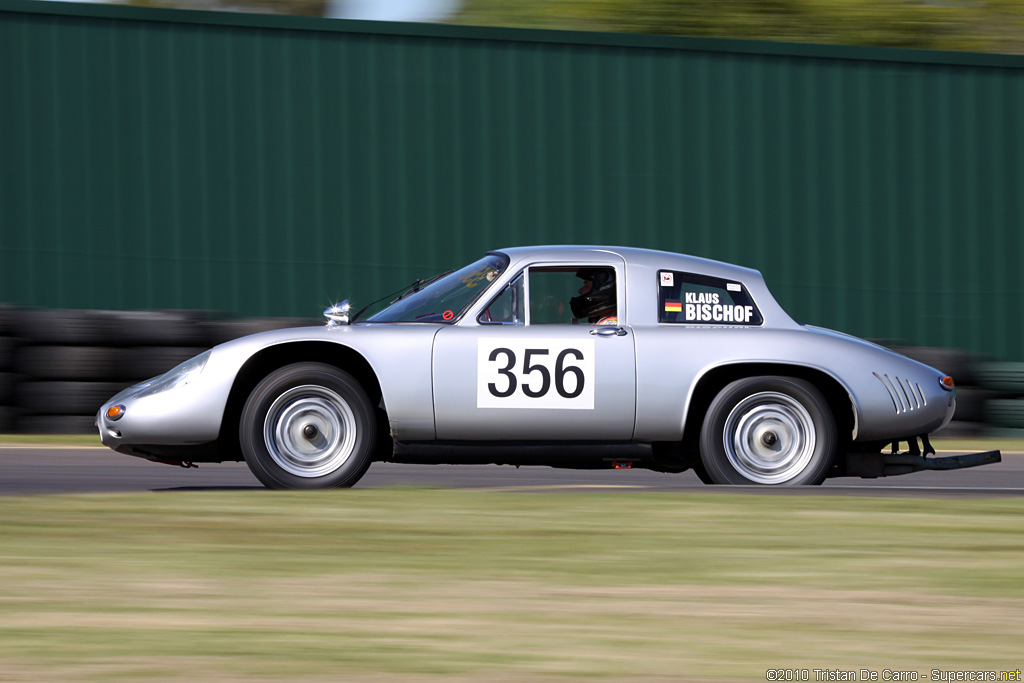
x=8 y=344
x=57 y=367
x=1005 y=410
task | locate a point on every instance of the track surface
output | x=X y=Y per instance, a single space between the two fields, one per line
x=55 y=469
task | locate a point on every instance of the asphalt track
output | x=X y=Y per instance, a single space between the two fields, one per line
x=35 y=470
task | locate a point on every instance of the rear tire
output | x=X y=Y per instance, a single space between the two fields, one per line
x=308 y=426
x=768 y=430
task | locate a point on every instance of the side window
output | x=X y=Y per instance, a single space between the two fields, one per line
x=694 y=299
x=567 y=295
x=507 y=307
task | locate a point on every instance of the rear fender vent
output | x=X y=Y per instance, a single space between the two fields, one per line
x=906 y=396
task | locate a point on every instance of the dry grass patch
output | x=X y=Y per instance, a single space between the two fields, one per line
x=383 y=585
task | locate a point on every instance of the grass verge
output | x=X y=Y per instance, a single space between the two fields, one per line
x=51 y=440
x=414 y=584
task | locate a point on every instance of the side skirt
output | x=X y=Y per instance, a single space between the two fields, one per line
x=571 y=455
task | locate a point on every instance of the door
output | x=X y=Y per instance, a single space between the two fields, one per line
x=528 y=369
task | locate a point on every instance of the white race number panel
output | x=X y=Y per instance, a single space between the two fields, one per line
x=535 y=373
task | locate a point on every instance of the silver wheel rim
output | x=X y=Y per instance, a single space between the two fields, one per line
x=769 y=438
x=310 y=431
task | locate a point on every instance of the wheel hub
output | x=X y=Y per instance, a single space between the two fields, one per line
x=769 y=438
x=310 y=431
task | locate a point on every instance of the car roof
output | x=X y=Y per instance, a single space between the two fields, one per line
x=634 y=256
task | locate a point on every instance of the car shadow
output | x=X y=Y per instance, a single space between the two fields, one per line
x=172 y=489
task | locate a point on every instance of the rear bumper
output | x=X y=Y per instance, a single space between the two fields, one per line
x=874 y=465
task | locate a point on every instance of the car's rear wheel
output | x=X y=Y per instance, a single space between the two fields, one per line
x=768 y=430
x=308 y=426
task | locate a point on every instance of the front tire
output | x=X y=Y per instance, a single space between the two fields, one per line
x=308 y=426
x=768 y=430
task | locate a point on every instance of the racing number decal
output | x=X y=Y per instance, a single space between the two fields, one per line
x=561 y=371
x=535 y=373
x=507 y=371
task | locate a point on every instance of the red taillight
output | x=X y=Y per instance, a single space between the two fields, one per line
x=947 y=383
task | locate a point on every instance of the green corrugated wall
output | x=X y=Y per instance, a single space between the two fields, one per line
x=268 y=165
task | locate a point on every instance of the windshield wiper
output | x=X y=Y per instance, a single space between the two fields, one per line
x=421 y=284
x=408 y=289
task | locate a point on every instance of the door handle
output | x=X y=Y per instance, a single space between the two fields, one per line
x=609 y=332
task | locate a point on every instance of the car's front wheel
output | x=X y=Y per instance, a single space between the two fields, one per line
x=768 y=430
x=308 y=426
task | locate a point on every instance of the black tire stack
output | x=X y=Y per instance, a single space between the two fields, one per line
x=1005 y=381
x=67 y=367
x=8 y=379
x=57 y=367
x=150 y=343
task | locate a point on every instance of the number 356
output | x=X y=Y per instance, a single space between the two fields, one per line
x=535 y=379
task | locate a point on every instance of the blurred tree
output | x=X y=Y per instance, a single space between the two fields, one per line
x=977 y=25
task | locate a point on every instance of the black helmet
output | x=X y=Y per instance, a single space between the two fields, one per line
x=600 y=298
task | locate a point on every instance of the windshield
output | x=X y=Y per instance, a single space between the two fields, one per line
x=446 y=299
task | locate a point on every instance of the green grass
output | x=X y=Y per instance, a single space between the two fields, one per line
x=413 y=584
x=51 y=439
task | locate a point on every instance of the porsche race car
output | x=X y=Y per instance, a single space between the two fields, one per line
x=566 y=356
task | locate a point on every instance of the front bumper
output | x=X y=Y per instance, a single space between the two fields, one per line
x=182 y=423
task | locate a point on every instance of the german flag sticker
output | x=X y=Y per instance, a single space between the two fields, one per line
x=673 y=307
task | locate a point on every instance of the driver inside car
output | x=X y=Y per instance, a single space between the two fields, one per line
x=596 y=300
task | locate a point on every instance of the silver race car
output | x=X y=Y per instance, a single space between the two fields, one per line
x=580 y=357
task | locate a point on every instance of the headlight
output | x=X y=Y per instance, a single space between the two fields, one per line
x=176 y=377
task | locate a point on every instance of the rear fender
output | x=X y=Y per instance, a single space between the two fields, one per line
x=840 y=400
